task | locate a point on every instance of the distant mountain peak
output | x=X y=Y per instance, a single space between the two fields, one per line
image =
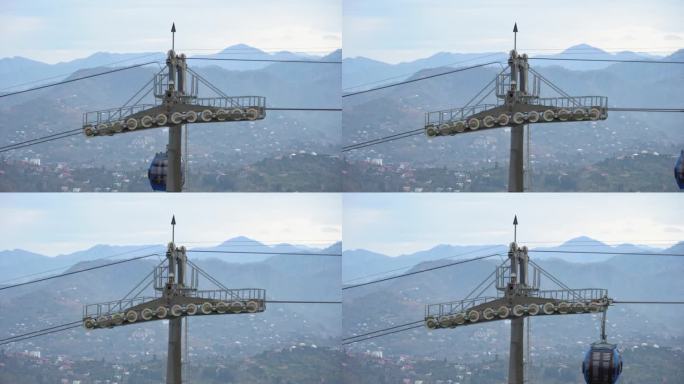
x=584 y=48
x=243 y=48
x=582 y=241
x=241 y=241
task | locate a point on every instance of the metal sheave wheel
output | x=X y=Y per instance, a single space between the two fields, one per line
x=533 y=309
x=191 y=116
x=503 y=119
x=503 y=312
x=473 y=316
x=459 y=318
x=563 y=307
x=89 y=131
x=444 y=321
x=473 y=124
x=488 y=121
x=176 y=310
x=117 y=126
x=239 y=114
x=548 y=115
x=161 y=119
x=579 y=114
x=89 y=323
x=488 y=313
x=579 y=308
x=221 y=114
x=132 y=124
x=431 y=131
x=236 y=307
x=117 y=318
x=459 y=126
x=131 y=316
x=146 y=314
x=252 y=114
x=161 y=312
x=533 y=117
x=252 y=306
x=518 y=118
x=206 y=308
x=444 y=129
x=594 y=114
x=563 y=115
x=518 y=310
x=221 y=307
x=549 y=308
x=206 y=115
x=431 y=323
x=191 y=309
x=146 y=121
x=176 y=117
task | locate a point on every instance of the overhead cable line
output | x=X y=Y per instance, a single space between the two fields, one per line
x=383 y=330
x=264 y=252
x=77 y=271
x=43 y=332
x=647 y=302
x=383 y=334
x=77 y=79
x=645 y=109
x=40 y=330
x=606 y=60
x=67 y=267
x=301 y=302
x=264 y=60
x=22 y=144
x=404 y=75
x=610 y=253
x=67 y=74
x=420 y=78
x=409 y=266
x=39 y=142
x=420 y=271
x=304 y=109
x=396 y=136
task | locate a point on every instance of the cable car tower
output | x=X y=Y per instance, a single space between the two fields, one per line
x=518 y=104
x=519 y=296
x=177 y=103
x=177 y=296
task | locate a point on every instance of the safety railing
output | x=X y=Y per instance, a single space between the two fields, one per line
x=448 y=308
x=230 y=102
x=107 y=308
x=242 y=294
x=572 y=102
x=573 y=295
x=116 y=114
x=448 y=115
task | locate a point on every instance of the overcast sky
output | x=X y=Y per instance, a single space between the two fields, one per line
x=51 y=224
x=53 y=31
x=402 y=30
x=396 y=224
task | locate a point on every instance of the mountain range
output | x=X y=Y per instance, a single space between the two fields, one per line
x=357 y=71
